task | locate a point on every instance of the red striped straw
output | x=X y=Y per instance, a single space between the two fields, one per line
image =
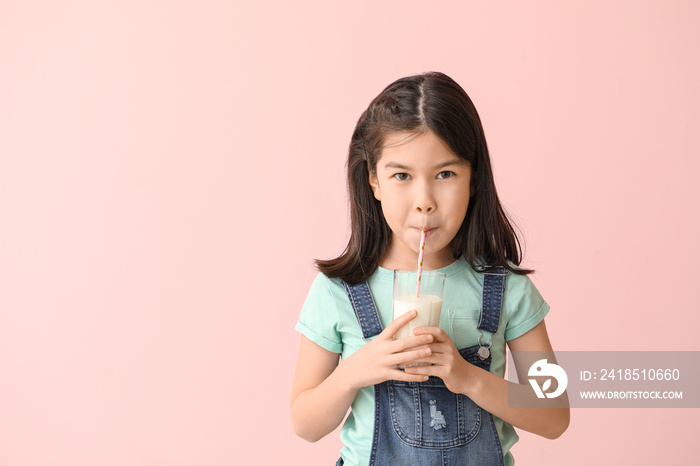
x=420 y=261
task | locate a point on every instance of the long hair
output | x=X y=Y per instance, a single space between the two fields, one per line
x=426 y=102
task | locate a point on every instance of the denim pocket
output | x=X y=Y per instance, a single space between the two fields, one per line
x=428 y=415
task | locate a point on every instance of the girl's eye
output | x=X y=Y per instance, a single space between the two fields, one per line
x=445 y=175
x=401 y=176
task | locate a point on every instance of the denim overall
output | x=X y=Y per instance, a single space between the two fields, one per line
x=423 y=423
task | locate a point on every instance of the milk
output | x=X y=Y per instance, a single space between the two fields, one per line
x=430 y=286
x=428 y=307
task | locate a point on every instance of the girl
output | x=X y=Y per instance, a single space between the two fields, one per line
x=418 y=161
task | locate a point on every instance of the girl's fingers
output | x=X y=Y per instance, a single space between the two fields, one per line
x=429 y=355
x=431 y=358
x=438 y=333
x=421 y=371
x=396 y=324
x=406 y=377
x=408 y=357
x=411 y=342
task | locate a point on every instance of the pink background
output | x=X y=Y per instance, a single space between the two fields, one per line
x=157 y=158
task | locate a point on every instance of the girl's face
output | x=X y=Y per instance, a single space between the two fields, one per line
x=421 y=184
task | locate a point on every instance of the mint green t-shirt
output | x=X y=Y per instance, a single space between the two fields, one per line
x=327 y=319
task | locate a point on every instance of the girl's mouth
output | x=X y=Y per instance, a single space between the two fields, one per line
x=428 y=231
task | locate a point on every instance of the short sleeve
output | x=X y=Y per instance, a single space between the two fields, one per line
x=524 y=306
x=318 y=320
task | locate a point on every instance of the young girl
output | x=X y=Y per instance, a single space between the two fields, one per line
x=418 y=162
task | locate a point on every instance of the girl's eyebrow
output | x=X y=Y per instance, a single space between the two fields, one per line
x=400 y=166
x=395 y=165
x=447 y=164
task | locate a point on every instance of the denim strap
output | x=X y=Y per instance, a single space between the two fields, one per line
x=494 y=284
x=365 y=310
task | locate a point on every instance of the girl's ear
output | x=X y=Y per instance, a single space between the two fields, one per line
x=374 y=183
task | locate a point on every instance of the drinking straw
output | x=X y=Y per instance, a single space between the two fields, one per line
x=420 y=261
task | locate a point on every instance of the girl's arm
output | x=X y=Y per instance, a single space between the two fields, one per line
x=318 y=389
x=323 y=389
x=491 y=391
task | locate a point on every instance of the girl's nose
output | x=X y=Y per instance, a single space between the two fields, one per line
x=425 y=202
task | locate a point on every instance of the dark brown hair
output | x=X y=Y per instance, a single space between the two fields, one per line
x=426 y=102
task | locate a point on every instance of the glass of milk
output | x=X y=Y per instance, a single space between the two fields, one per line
x=428 y=303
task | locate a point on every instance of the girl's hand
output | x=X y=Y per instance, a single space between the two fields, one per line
x=449 y=365
x=376 y=361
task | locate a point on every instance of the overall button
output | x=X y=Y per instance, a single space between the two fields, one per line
x=484 y=352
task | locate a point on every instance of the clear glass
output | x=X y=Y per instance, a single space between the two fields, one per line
x=428 y=303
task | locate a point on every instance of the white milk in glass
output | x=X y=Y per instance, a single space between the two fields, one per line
x=428 y=303
x=428 y=307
